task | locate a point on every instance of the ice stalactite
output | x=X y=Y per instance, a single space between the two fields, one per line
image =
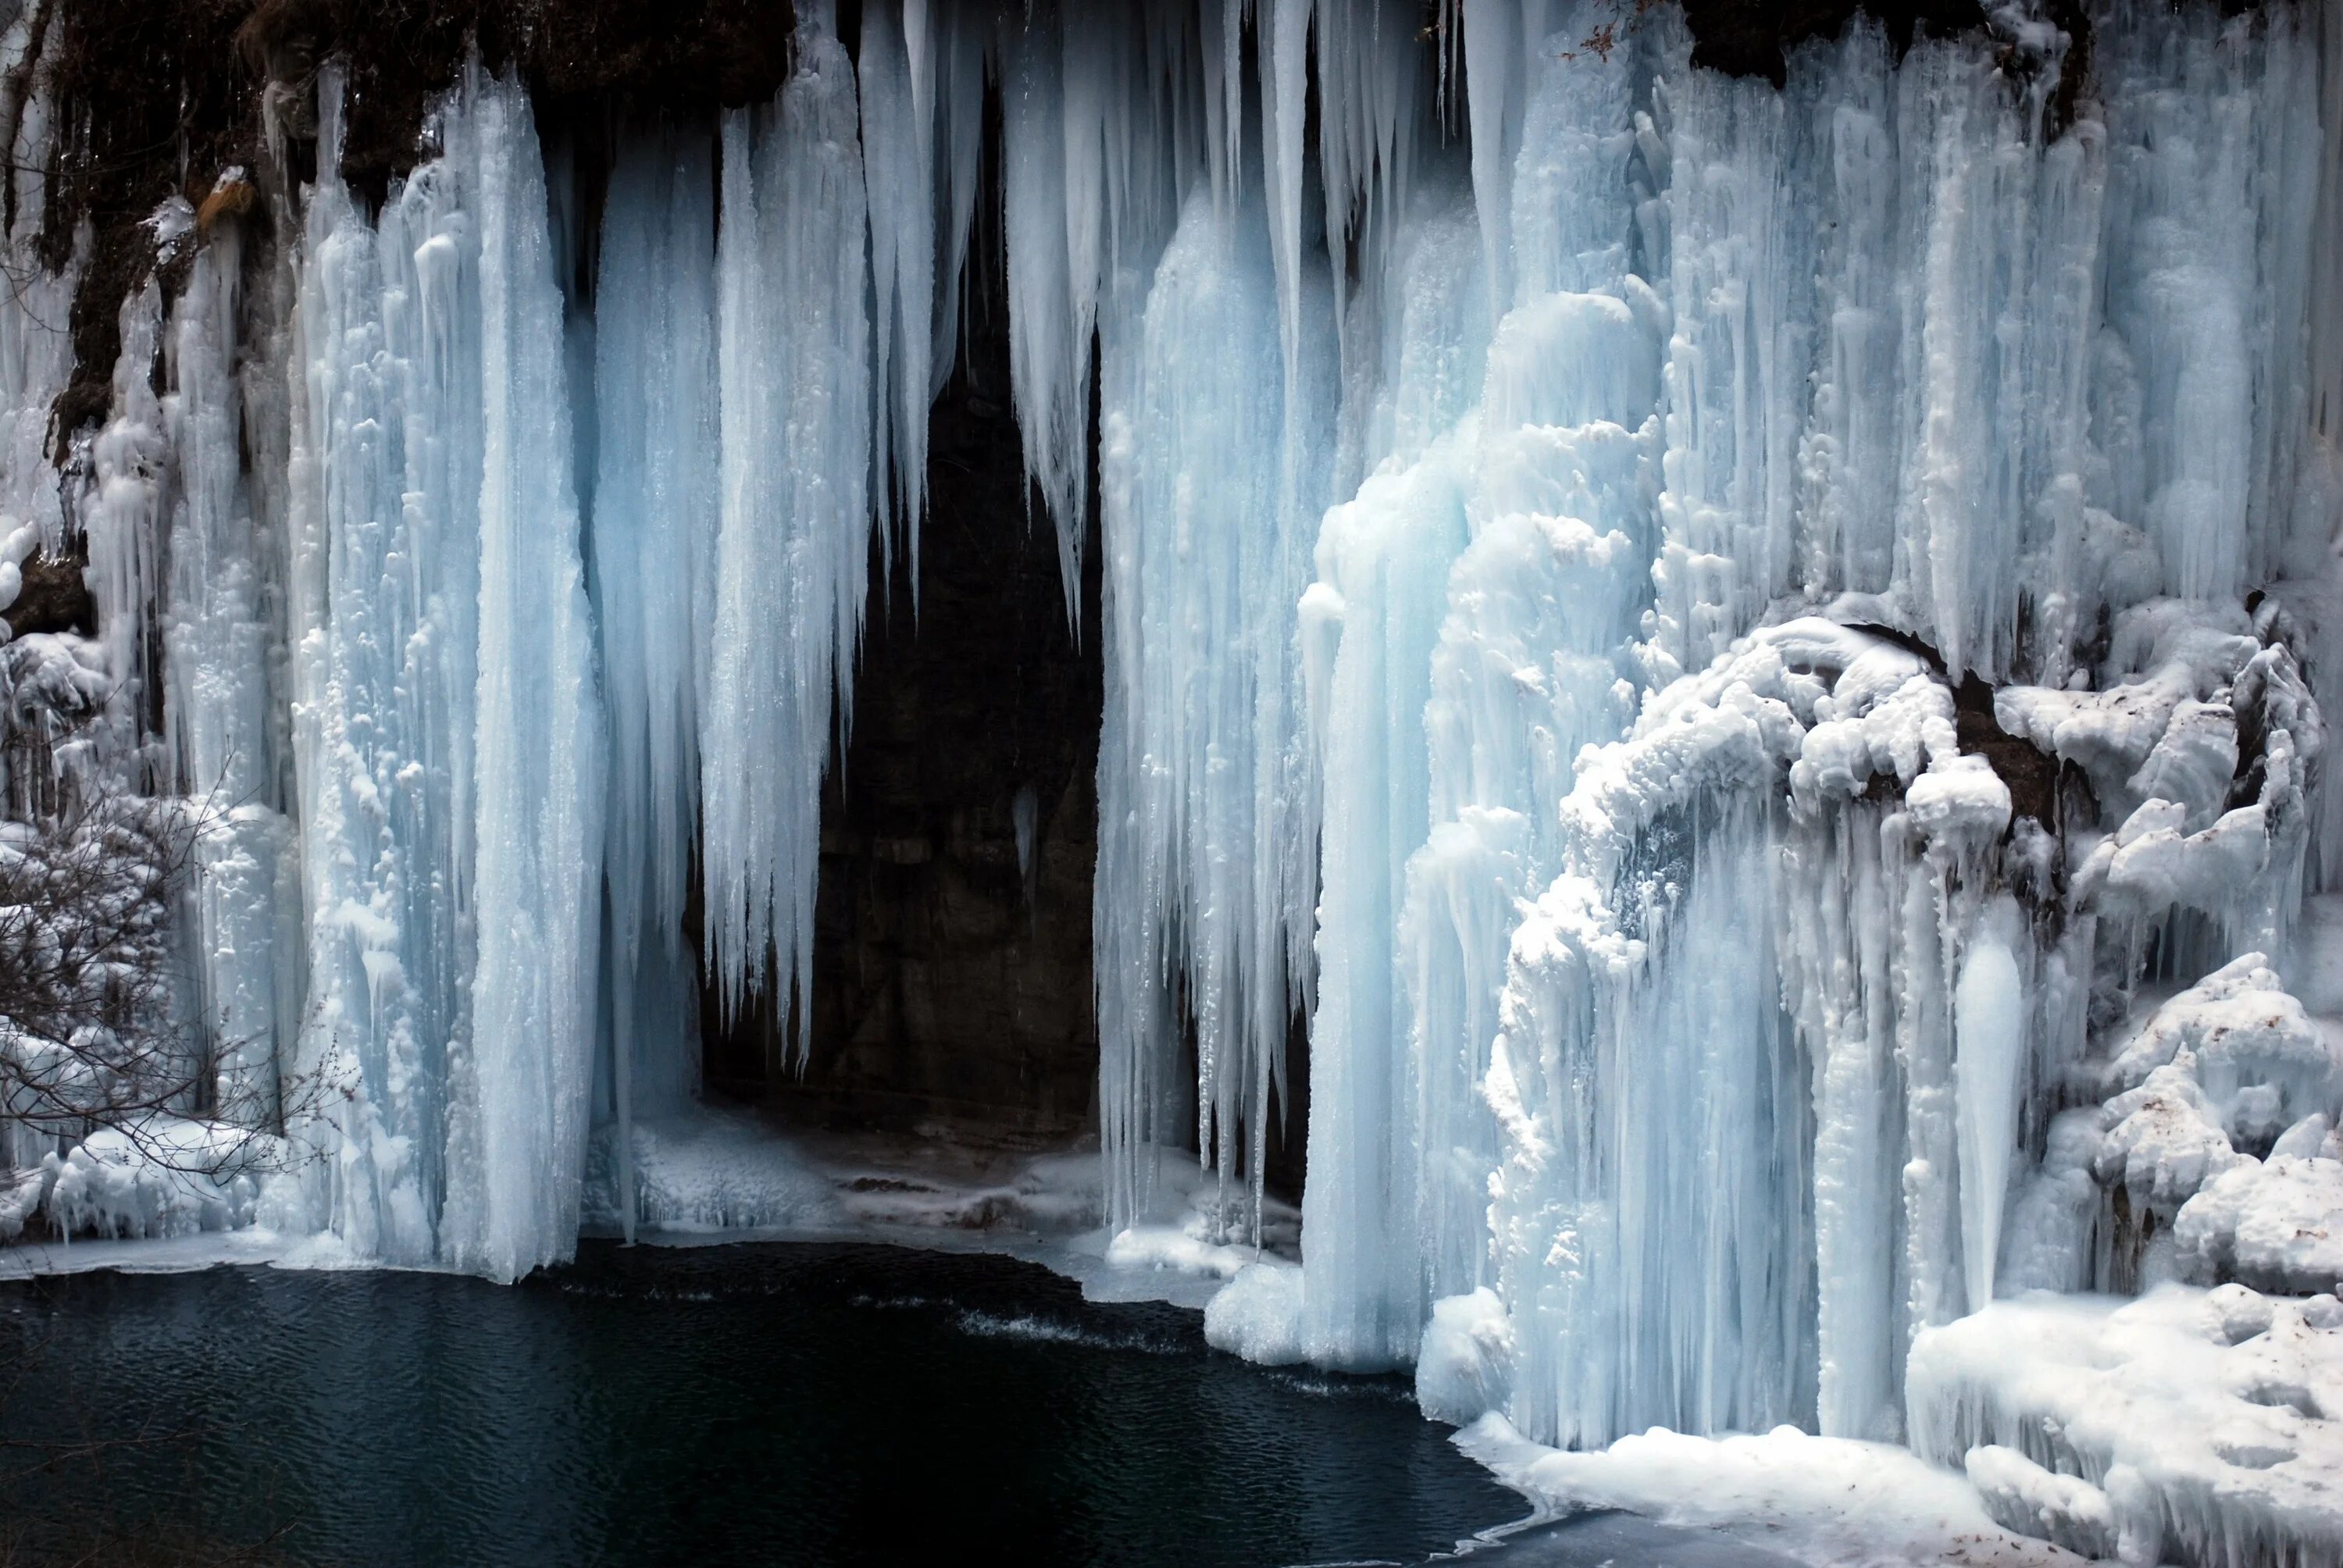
x=223 y=662
x=1199 y=789
x=792 y=545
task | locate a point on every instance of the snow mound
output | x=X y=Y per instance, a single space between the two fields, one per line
x=2277 y=1226
x=1464 y=1367
x=1258 y=1315
x=156 y=1177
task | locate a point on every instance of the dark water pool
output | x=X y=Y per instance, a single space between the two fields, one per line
x=756 y=1404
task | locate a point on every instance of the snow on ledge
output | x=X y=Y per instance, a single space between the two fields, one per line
x=1821 y=1499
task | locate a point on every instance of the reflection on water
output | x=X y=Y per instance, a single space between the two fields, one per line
x=753 y=1403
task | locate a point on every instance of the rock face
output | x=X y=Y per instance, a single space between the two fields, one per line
x=952 y=969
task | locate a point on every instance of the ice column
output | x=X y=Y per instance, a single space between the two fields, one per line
x=385 y=577
x=1535 y=657
x=448 y=739
x=519 y=1098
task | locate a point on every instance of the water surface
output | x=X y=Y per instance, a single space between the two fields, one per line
x=752 y=1404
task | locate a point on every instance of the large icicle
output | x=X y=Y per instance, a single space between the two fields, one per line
x=899 y=143
x=220 y=653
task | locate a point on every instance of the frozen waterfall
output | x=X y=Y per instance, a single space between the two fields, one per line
x=1741 y=661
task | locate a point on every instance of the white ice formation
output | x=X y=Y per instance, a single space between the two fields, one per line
x=1745 y=656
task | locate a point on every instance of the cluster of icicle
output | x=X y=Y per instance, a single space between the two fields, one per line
x=1592 y=549
x=484 y=609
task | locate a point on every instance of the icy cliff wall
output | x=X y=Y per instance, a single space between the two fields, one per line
x=1745 y=652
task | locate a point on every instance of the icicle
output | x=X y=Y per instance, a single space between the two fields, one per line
x=1048 y=337
x=121 y=519
x=954 y=50
x=655 y=545
x=1505 y=46
x=898 y=94
x=1989 y=1015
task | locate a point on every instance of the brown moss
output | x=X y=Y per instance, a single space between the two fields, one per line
x=229 y=198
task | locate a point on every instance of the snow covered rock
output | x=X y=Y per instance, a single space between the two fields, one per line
x=2276 y=1225
x=2206 y=1420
